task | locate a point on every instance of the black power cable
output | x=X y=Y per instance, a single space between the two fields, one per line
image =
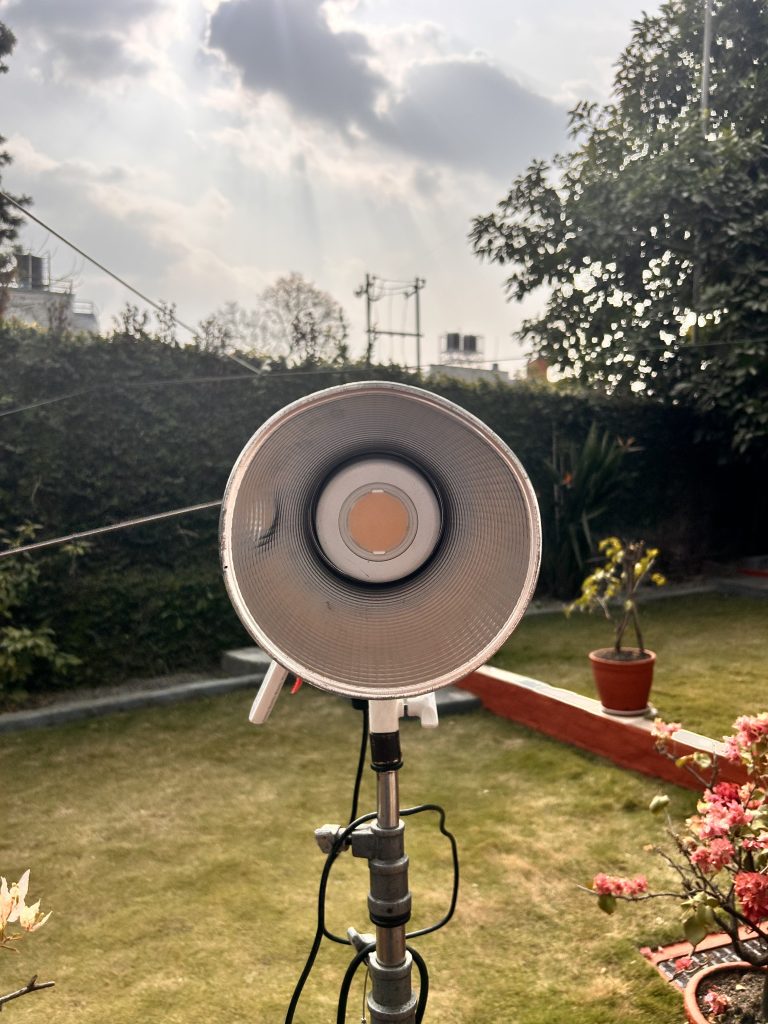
x=361 y=705
x=346 y=984
x=407 y=812
x=338 y=845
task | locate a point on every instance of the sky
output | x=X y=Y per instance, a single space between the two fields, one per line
x=203 y=148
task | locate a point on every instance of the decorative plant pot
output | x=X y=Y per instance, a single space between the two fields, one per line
x=623 y=684
x=691 y=992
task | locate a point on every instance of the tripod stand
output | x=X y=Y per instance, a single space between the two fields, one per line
x=389 y=961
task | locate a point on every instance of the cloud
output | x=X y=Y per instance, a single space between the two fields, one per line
x=458 y=111
x=82 y=38
x=132 y=220
x=287 y=48
x=470 y=114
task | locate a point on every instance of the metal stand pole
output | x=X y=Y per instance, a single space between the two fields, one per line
x=389 y=902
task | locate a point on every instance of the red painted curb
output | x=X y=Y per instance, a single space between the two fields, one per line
x=581 y=721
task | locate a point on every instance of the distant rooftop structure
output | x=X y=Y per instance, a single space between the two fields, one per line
x=469 y=373
x=34 y=299
x=457 y=348
x=461 y=357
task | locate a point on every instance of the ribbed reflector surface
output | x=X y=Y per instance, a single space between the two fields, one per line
x=389 y=640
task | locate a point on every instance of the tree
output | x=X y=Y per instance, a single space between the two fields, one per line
x=229 y=328
x=652 y=232
x=293 y=320
x=10 y=220
x=299 y=321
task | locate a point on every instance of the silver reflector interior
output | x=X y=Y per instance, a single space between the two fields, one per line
x=462 y=496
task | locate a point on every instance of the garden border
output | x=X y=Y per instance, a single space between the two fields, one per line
x=580 y=721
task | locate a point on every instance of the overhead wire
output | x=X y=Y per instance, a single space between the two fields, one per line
x=386 y=287
x=163 y=382
x=267 y=374
x=166 y=311
x=95 y=262
x=160 y=382
x=111 y=528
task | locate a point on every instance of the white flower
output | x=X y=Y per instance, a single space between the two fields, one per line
x=32 y=918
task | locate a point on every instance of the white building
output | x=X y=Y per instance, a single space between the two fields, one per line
x=468 y=373
x=32 y=299
x=462 y=356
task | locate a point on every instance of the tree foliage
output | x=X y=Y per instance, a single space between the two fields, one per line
x=293 y=320
x=27 y=648
x=300 y=321
x=652 y=231
x=10 y=220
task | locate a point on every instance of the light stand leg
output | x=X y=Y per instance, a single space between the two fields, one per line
x=389 y=902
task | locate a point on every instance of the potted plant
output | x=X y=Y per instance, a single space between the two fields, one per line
x=623 y=675
x=719 y=866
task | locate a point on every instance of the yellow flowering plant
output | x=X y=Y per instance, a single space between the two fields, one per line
x=612 y=587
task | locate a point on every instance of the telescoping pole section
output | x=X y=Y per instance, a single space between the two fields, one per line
x=389 y=902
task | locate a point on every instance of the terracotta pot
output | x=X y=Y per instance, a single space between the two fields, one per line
x=623 y=685
x=690 y=993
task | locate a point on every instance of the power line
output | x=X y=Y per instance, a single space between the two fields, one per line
x=45 y=401
x=124 y=525
x=164 y=310
x=177 y=381
x=106 y=270
x=374 y=289
x=322 y=371
x=125 y=384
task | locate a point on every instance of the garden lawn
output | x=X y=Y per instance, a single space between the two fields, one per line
x=712 y=656
x=175 y=847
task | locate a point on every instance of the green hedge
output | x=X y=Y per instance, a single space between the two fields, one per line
x=147 y=621
x=149 y=599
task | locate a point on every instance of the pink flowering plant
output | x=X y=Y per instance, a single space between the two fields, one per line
x=719 y=857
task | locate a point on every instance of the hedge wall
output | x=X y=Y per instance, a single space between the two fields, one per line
x=137 y=436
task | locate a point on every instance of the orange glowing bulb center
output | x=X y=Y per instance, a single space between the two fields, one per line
x=378 y=522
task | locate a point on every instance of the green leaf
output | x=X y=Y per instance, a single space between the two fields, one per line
x=606 y=902
x=694 y=929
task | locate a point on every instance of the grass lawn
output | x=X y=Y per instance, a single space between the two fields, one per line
x=175 y=847
x=712 y=656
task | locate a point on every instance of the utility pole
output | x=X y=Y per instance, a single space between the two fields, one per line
x=389 y=288
x=367 y=290
x=418 y=284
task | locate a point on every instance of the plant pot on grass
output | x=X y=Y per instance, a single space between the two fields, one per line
x=623 y=675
